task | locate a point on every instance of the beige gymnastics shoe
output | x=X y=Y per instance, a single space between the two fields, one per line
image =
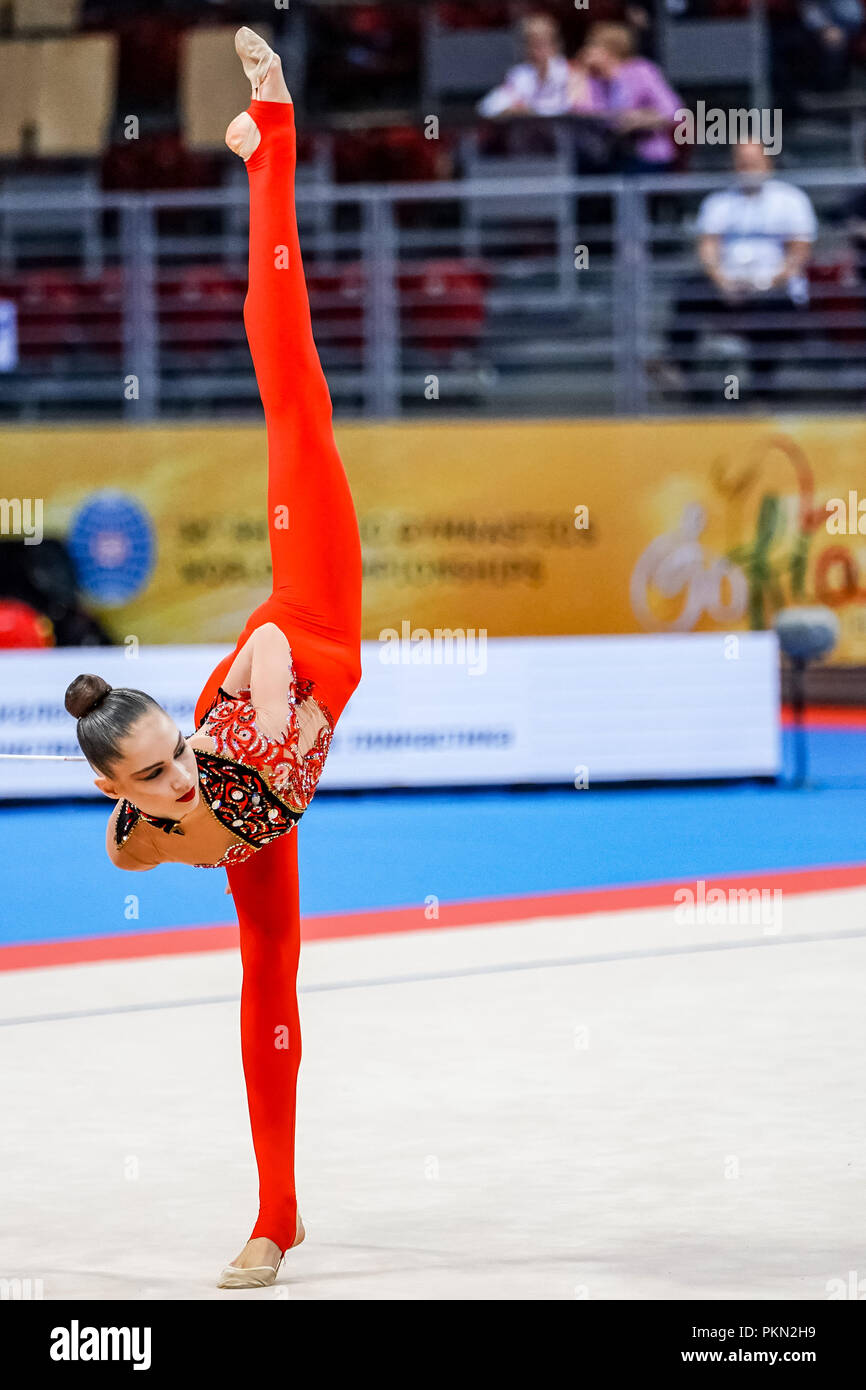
x=256 y=57
x=256 y=1276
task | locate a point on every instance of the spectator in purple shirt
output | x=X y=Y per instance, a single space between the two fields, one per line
x=633 y=91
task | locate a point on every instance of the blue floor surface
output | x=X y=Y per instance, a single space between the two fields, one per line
x=384 y=851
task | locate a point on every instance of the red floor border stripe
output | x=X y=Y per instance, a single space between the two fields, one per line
x=850 y=717
x=481 y=912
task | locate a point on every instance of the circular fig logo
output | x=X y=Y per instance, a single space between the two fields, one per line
x=113 y=546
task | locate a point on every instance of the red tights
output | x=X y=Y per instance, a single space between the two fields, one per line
x=316 y=601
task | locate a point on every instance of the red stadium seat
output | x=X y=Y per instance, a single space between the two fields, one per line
x=337 y=307
x=442 y=305
x=849 y=304
x=49 y=314
x=474 y=14
x=63 y=313
x=364 y=54
x=101 y=308
x=148 y=60
x=200 y=308
x=156 y=162
x=397 y=154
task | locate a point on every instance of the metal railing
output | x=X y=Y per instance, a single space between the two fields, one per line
x=548 y=296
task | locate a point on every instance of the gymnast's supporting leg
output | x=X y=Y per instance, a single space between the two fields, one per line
x=265 y=893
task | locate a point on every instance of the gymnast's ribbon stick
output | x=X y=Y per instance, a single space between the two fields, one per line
x=55 y=757
x=49 y=757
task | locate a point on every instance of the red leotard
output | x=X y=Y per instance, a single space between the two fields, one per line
x=316 y=602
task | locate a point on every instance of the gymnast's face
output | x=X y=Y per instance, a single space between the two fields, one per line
x=156 y=768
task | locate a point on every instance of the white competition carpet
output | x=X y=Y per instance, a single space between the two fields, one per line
x=608 y=1106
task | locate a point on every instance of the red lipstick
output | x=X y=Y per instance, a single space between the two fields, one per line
x=189 y=795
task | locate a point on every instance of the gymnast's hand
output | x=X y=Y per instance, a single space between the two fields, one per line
x=273 y=722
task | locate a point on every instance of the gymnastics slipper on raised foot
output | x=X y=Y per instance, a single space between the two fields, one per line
x=256 y=56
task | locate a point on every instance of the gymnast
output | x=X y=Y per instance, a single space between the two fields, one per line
x=231 y=794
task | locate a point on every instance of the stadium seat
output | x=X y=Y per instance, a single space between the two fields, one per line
x=158 y=161
x=102 y=304
x=483 y=214
x=337 y=308
x=473 y=14
x=65 y=313
x=200 y=309
x=398 y=154
x=149 y=61
x=67 y=316
x=363 y=55
x=462 y=64
x=77 y=222
x=836 y=293
x=442 y=305
x=706 y=53
x=48 y=315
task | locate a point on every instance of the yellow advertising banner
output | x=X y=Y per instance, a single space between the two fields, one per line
x=519 y=528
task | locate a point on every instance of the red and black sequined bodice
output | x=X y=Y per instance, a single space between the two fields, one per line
x=254 y=786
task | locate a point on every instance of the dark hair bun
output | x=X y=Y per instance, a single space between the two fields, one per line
x=85 y=694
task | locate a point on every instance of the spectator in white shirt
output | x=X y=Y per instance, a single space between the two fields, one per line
x=544 y=85
x=754 y=244
x=757 y=237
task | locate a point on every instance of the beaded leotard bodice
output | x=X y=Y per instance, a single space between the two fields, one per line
x=254 y=786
